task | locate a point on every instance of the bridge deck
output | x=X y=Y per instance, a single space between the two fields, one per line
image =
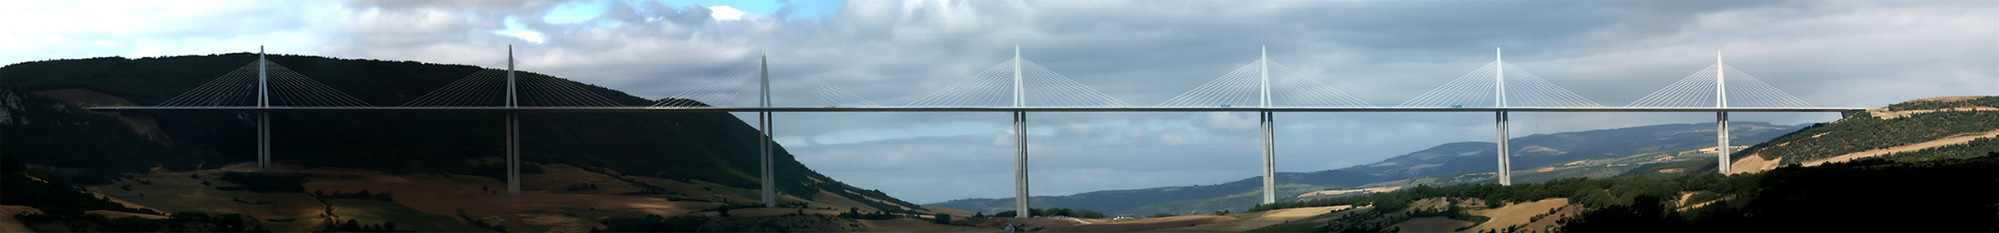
x=958 y=109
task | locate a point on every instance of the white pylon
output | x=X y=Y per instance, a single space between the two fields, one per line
x=1505 y=150
x=768 y=162
x=1020 y=140
x=513 y=131
x=1268 y=121
x=263 y=118
x=1721 y=117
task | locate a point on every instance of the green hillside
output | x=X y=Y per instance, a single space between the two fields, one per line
x=1863 y=132
x=713 y=147
x=1943 y=188
x=47 y=132
x=1866 y=195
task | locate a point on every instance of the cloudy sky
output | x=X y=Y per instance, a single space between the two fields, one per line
x=1828 y=53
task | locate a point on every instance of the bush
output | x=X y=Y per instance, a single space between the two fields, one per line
x=582 y=186
x=1084 y=213
x=877 y=215
x=55 y=198
x=653 y=223
x=941 y=219
x=363 y=194
x=264 y=182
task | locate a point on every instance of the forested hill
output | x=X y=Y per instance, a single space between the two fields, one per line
x=1934 y=128
x=1923 y=165
x=713 y=147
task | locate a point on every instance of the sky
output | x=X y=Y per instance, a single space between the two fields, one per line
x=1828 y=53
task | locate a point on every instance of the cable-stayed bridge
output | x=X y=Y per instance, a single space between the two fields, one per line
x=1017 y=86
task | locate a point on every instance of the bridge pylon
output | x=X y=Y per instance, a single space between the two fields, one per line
x=1021 y=197
x=765 y=160
x=1509 y=87
x=1722 y=88
x=513 y=130
x=257 y=87
x=263 y=118
x=1264 y=84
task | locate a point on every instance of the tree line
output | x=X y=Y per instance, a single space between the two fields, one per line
x=1866 y=132
x=1948 y=194
x=1988 y=101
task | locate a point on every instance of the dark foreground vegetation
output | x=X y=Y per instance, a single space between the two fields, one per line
x=687 y=223
x=19 y=188
x=65 y=208
x=1866 y=195
x=1863 y=195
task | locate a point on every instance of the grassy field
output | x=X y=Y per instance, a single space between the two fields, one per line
x=1601 y=168
x=565 y=219
x=1313 y=224
x=179 y=192
x=1431 y=224
x=368 y=212
x=1516 y=214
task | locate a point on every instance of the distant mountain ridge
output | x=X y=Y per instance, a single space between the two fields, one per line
x=1444 y=159
x=712 y=147
x=1544 y=149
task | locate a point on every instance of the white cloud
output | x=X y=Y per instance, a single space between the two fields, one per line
x=515 y=30
x=726 y=13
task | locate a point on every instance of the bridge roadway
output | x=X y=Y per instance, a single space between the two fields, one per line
x=1019 y=108
x=962 y=109
x=768 y=190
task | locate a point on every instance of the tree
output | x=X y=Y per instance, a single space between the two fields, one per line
x=942 y=219
x=388 y=226
x=8 y=165
x=1084 y=213
x=1645 y=212
x=1058 y=212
